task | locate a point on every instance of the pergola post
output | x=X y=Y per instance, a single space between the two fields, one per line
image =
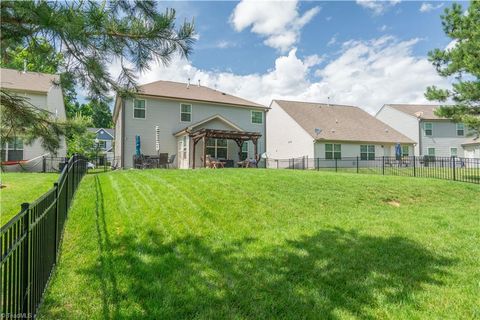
x=255 y=150
x=204 y=140
x=193 y=152
x=240 y=145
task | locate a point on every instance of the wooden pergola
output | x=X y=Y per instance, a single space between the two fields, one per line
x=238 y=136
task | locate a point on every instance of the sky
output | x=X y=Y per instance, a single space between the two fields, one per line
x=361 y=53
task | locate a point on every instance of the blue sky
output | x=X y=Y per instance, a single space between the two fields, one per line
x=364 y=53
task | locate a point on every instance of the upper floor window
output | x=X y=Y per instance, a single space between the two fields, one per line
x=367 y=152
x=185 y=112
x=460 y=129
x=257 y=117
x=102 y=144
x=333 y=151
x=138 y=109
x=405 y=151
x=428 y=127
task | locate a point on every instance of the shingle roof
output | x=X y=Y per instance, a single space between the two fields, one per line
x=421 y=111
x=28 y=81
x=341 y=123
x=109 y=130
x=472 y=141
x=178 y=90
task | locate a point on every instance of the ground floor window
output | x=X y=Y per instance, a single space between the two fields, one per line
x=12 y=151
x=217 y=148
x=405 y=151
x=333 y=151
x=431 y=151
x=367 y=152
x=453 y=152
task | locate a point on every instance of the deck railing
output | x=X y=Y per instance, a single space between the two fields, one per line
x=30 y=244
x=448 y=168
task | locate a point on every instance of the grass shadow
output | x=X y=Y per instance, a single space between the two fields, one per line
x=331 y=272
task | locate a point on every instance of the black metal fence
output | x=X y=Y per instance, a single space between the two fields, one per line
x=449 y=168
x=30 y=243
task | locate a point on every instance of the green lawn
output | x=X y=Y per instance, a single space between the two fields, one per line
x=266 y=244
x=22 y=187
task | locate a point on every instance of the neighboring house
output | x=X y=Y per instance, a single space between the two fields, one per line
x=42 y=91
x=188 y=121
x=471 y=148
x=434 y=136
x=327 y=131
x=105 y=138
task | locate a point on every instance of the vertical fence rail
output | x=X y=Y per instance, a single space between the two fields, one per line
x=30 y=243
x=447 y=168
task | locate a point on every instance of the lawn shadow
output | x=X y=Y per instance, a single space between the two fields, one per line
x=321 y=275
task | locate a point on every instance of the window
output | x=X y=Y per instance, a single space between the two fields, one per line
x=367 y=152
x=217 y=148
x=102 y=144
x=138 y=109
x=460 y=129
x=185 y=112
x=431 y=151
x=257 y=117
x=428 y=127
x=405 y=151
x=453 y=152
x=12 y=151
x=333 y=151
x=244 y=153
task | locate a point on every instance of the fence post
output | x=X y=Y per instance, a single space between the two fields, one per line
x=303 y=162
x=26 y=262
x=336 y=165
x=453 y=168
x=44 y=164
x=414 y=166
x=383 y=165
x=357 y=164
x=55 y=185
x=318 y=164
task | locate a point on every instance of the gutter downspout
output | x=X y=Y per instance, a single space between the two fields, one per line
x=419 y=137
x=122 y=147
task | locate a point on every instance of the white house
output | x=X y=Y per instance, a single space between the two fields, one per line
x=190 y=122
x=434 y=136
x=44 y=92
x=317 y=130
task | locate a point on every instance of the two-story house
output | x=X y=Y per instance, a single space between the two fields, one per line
x=104 y=141
x=189 y=121
x=434 y=136
x=42 y=91
x=329 y=131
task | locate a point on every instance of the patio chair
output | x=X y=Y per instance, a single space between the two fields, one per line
x=163 y=160
x=171 y=160
x=218 y=163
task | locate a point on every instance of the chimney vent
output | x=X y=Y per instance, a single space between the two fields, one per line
x=188 y=83
x=24 y=65
x=199 y=82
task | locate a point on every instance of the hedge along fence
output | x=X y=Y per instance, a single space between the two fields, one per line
x=30 y=243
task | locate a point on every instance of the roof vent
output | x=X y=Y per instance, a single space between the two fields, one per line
x=333 y=130
x=24 y=66
x=336 y=121
x=386 y=130
x=199 y=82
x=224 y=93
x=188 y=83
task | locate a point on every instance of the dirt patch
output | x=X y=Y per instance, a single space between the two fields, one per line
x=393 y=203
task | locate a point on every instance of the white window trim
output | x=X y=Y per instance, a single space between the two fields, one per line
x=463 y=129
x=425 y=129
x=434 y=152
x=368 y=152
x=333 y=151
x=456 y=152
x=133 y=108
x=408 y=149
x=217 y=147
x=251 y=117
x=191 y=112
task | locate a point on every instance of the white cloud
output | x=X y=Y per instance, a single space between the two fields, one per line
x=365 y=73
x=427 y=7
x=224 y=44
x=376 y=6
x=279 y=22
x=332 y=41
x=383 y=28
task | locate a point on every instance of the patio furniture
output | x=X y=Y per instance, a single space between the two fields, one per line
x=218 y=163
x=163 y=160
x=171 y=160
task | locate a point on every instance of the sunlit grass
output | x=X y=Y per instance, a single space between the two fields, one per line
x=268 y=244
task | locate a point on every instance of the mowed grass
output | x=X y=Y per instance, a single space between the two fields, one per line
x=268 y=244
x=22 y=187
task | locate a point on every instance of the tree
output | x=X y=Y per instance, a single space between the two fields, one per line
x=79 y=139
x=461 y=61
x=102 y=115
x=91 y=35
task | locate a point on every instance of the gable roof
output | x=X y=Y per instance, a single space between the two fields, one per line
x=28 y=81
x=472 y=141
x=110 y=131
x=421 y=111
x=340 y=123
x=198 y=123
x=178 y=90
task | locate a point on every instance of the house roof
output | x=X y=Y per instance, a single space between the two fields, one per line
x=196 y=124
x=472 y=141
x=340 y=123
x=421 y=111
x=28 y=81
x=178 y=90
x=110 y=131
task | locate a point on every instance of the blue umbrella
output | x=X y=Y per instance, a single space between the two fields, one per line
x=137 y=145
x=398 y=151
